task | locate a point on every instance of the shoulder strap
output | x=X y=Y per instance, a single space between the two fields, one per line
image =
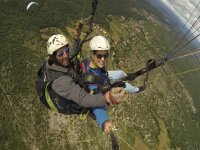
x=84 y=65
x=41 y=70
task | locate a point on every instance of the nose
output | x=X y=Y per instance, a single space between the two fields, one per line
x=66 y=54
x=103 y=59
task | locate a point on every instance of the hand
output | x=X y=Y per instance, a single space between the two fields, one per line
x=79 y=27
x=108 y=126
x=116 y=95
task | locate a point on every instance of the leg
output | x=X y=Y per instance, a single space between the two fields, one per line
x=117 y=74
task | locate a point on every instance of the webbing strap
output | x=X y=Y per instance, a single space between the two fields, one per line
x=115 y=145
x=49 y=100
x=90 y=21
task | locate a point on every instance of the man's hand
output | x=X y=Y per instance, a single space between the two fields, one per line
x=116 y=95
x=79 y=27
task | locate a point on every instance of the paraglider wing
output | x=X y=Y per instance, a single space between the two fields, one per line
x=30 y=4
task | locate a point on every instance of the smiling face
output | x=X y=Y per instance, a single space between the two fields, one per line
x=62 y=56
x=100 y=58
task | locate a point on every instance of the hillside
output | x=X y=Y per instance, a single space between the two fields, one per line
x=162 y=117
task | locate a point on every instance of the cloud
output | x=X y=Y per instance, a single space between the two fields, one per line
x=184 y=8
x=188 y=11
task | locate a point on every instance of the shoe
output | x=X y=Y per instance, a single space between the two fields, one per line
x=141 y=88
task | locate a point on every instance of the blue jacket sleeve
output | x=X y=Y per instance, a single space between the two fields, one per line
x=101 y=115
x=99 y=112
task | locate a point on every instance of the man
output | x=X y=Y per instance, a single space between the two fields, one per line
x=58 y=83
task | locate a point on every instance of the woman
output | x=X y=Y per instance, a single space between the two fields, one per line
x=99 y=53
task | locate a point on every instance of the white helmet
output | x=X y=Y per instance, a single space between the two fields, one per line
x=99 y=43
x=55 y=42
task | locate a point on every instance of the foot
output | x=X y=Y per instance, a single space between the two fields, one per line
x=141 y=88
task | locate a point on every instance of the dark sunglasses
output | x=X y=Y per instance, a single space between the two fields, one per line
x=61 y=53
x=100 y=56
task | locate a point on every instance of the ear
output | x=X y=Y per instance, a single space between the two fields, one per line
x=92 y=55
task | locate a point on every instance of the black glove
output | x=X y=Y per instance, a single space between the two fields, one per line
x=113 y=83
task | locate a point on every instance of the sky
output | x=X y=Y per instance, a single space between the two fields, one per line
x=184 y=8
x=188 y=11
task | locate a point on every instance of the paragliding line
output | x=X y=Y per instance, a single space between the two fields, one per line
x=189 y=17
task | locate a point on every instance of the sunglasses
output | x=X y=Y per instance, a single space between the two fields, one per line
x=61 y=53
x=100 y=56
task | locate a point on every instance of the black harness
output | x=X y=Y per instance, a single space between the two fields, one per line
x=52 y=100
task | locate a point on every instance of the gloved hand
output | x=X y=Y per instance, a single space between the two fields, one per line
x=79 y=27
x=107 y=126
x=116 y=95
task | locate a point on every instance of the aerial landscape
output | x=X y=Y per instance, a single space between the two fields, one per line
x=165 y=116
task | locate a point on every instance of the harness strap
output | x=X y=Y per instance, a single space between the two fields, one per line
x=91 y=18
x=115 y=145
x=150 y=65
x=49 y=100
